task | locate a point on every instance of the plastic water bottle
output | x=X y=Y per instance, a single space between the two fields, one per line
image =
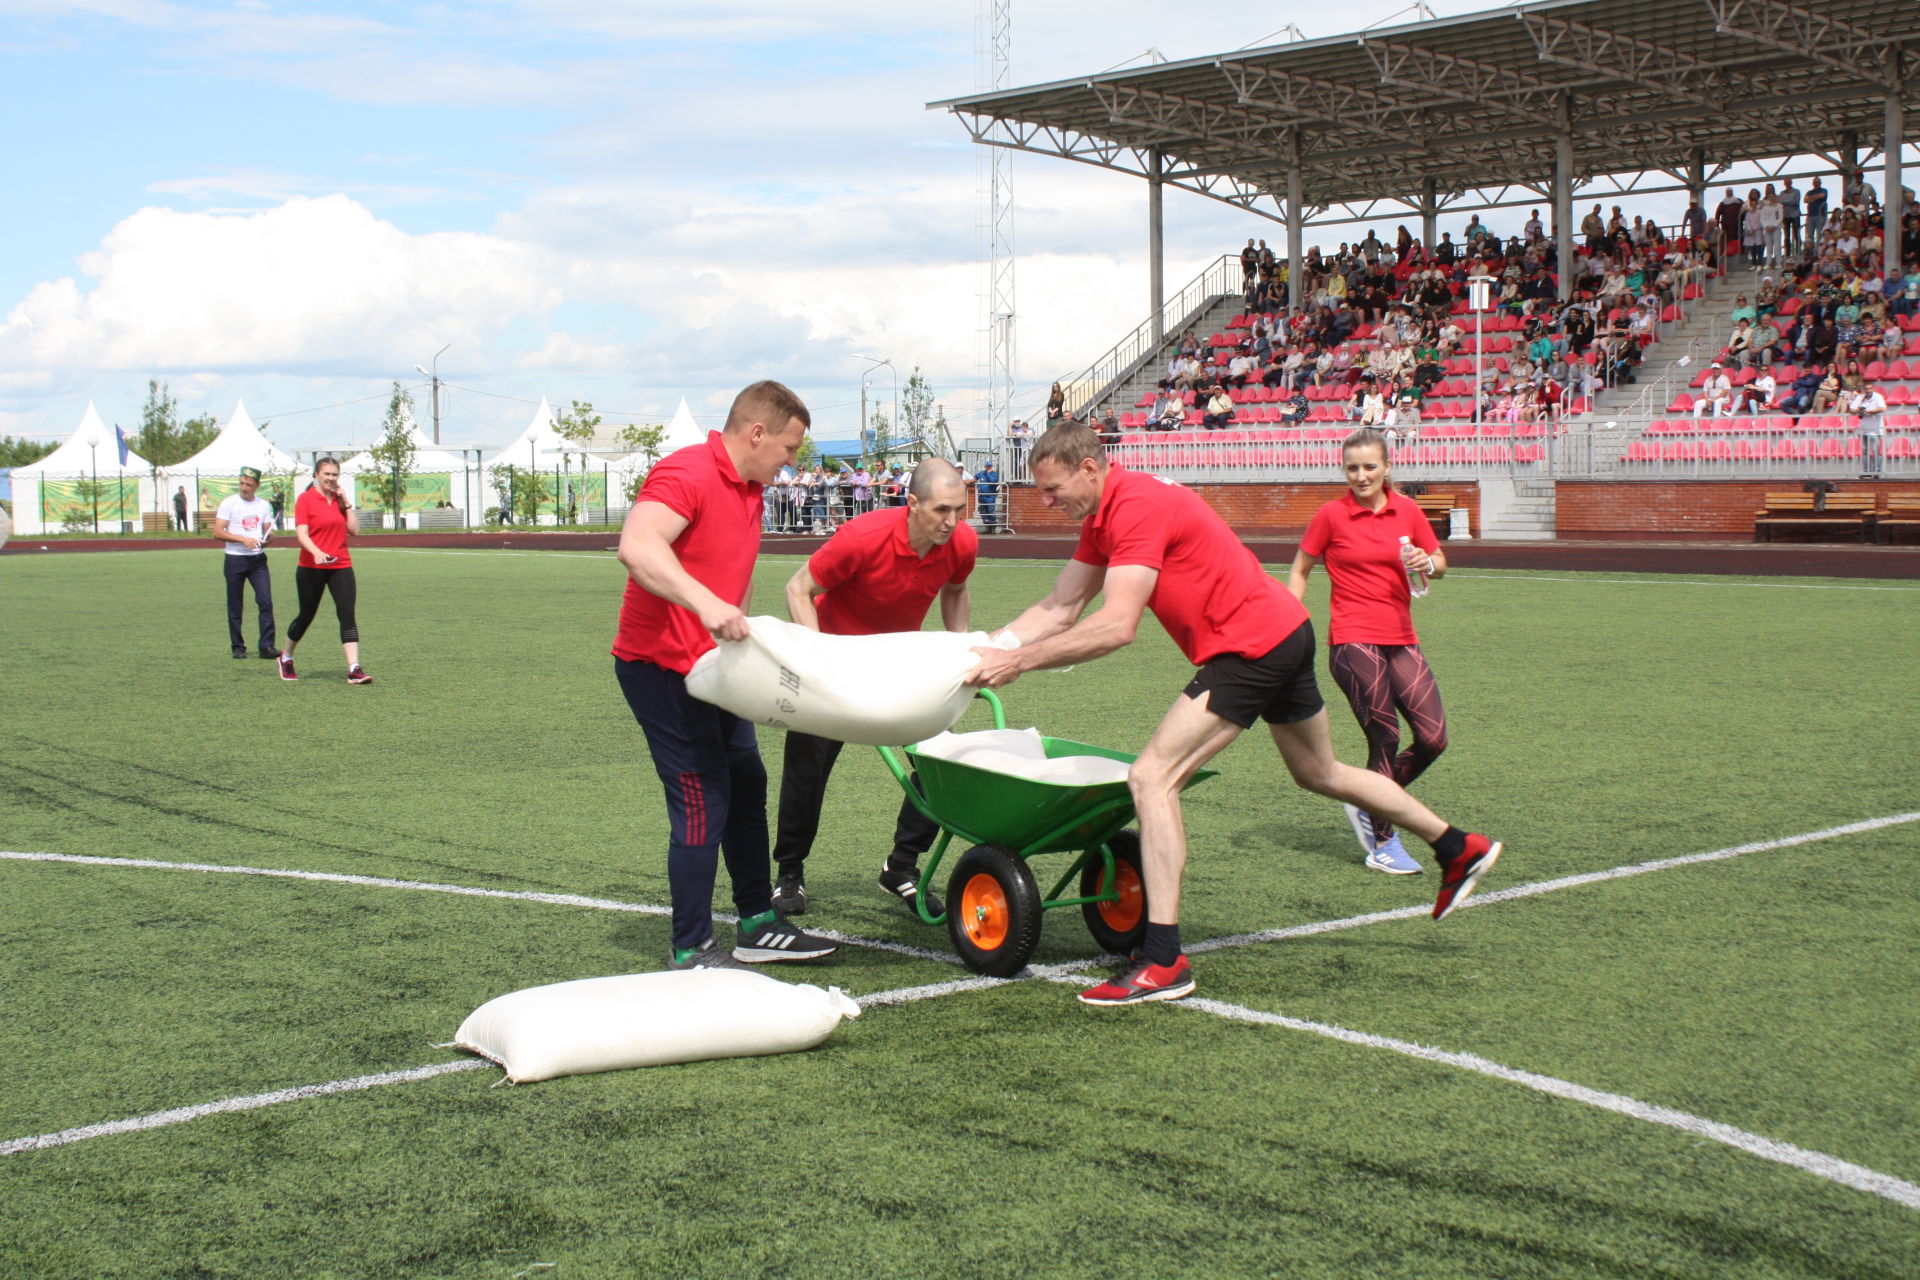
x=1416 y=581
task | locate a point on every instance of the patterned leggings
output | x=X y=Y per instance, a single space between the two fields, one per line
x=1383 y=682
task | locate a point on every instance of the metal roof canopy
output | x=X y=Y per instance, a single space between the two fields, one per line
x=1427 y=113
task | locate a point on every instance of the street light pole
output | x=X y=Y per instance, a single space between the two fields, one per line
x=435 y=376
x=93 y=443
x=1479 y=294
x=874 y=362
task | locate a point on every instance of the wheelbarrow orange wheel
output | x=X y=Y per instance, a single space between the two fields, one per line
x=1117 y=926
x=993 y=910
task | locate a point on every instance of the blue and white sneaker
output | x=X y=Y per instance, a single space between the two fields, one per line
x=1393 y=858
x=1362 y=827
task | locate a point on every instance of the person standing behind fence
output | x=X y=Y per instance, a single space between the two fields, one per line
x=986 y=484
x=180 y=509
x=688 y=546
x=244 y=522
x=1370 y=539
x=1872 y=408
x=323 y=520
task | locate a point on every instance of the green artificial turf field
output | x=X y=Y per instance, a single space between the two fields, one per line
x=1596 y=721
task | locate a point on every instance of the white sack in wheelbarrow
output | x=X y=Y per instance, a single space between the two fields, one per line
x=1019 y=753
x=647 y=1020
x=882 y=690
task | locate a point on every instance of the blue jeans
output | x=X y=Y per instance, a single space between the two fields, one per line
x=709 y=762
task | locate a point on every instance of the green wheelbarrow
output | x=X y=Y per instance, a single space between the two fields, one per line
x=993 y=900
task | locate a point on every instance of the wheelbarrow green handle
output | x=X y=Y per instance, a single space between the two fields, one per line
x=899 y=770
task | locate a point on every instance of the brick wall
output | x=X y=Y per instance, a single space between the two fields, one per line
x=1716 y=509
x=1260 y=509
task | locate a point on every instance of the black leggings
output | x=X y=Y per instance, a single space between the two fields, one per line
x=1383 y=682
x=311 y=584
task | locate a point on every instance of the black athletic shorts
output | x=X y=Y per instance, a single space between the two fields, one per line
x=1277 y=687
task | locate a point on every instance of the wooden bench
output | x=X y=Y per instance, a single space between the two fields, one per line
x=1853 y=511
x=1900 y=513
x=1438 y=509
x=443 y=518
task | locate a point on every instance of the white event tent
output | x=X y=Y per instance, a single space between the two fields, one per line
x=214 y=472
x=680 y=433
x=58 y=492
x=566 y=470
x=436 y=476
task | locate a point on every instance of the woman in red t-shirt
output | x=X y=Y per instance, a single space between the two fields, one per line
x=1371 y=539
x=322 y=520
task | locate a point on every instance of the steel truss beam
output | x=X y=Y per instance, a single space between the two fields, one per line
x=1460 y=79
x=1840 y=45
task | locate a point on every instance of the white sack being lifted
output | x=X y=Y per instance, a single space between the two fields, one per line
x=880 y=690
x=647 y=1020
x=1020 y=752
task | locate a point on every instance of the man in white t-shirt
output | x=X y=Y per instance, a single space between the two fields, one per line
x=1872 y=408
x=244 y=522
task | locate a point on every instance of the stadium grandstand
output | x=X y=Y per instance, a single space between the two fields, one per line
x=1768 y=338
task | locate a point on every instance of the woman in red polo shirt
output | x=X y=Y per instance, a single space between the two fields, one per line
x=322 y=520
x=1370 y=539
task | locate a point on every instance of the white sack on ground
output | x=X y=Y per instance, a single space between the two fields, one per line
x=1021 y=754
x=649 y=1019
x=880 y=690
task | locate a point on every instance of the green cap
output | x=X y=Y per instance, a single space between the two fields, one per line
x=250 y=473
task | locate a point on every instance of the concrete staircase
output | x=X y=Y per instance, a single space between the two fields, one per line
x=1211 y=320
x=1516 y=510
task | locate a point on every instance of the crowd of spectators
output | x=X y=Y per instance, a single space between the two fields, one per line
x=1379 y=323
x=822 y=497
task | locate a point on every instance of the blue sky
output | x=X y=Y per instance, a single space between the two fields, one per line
x=612 y=200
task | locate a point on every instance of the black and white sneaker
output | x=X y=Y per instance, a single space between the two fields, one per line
x=777 y=940
x=905 y=885
x=707 y=957
x=790 y=894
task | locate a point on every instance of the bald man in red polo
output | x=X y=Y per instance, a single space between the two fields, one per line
x=879 y=572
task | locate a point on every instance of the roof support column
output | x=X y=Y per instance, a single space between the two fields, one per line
x=1156 y=245
x=1429 y=215
x=1296 y=227
x=1563 y=198
x=1697 y=177
x=1850 y=177
x=1890 y=209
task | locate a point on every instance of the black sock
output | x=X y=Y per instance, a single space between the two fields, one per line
x=1451 y=844
x=1162 y=943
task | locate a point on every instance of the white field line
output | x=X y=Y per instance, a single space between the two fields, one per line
x=1832 y=1168
x=1817 y=1163
x=251 y=1102
x=466 y=891
x=255 y=1101
x=1674 y=582
x=1550 y=886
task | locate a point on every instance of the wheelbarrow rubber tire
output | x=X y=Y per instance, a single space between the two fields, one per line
x=1116 y=926
x=993 y=910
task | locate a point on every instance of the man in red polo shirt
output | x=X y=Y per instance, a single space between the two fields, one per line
x=1150 y=544
x=879 y=572
x=688 y=546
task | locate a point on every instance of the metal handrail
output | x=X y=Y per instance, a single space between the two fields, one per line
x=1105 y=374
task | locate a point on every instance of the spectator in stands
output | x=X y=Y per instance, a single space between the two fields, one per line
x=1764 y=344
x=1109 y=426
x=1740 y=343
x=1249 y=266
x=1262 y=345
x=1799 y=400
x=1445 y=253
x=1408 y=398
x=1755 y=396
x=987 y=490
x=1297 y=409
x=1892 y=341
x=1790 y=217
x=1057 y=399
x=1716 y=394
x=1373 y=404
x=1871 y=405
x=1594 y=228
x=1772 y=225
x=1243 y=366
x=1828 y=393
x=1729 y=217
x=1693 y=223
x=1822 y=341
x=1020 y=433
x=1169 y=411
x=1219 y=411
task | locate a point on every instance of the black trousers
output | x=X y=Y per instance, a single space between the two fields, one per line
x=240 y=571
x=803 y=790
x=310 y=584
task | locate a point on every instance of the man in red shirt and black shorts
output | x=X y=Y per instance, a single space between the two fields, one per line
x=688 y=545
x=1151 y=544
x=878 y=573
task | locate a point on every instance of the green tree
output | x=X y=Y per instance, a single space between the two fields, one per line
x=644 y=439
x=20 y=452
x=163 y=440
x=879 y=436
x=916 y=406
x=808 y=453
x=386 y=484
x=525 y=490
x=577 y=427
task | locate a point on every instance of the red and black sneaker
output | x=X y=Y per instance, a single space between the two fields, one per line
x=1458 y=876
x=1142 y=982
x=286 y=667
x=357 y=674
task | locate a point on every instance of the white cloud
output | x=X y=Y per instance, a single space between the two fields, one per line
x=310 y=284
